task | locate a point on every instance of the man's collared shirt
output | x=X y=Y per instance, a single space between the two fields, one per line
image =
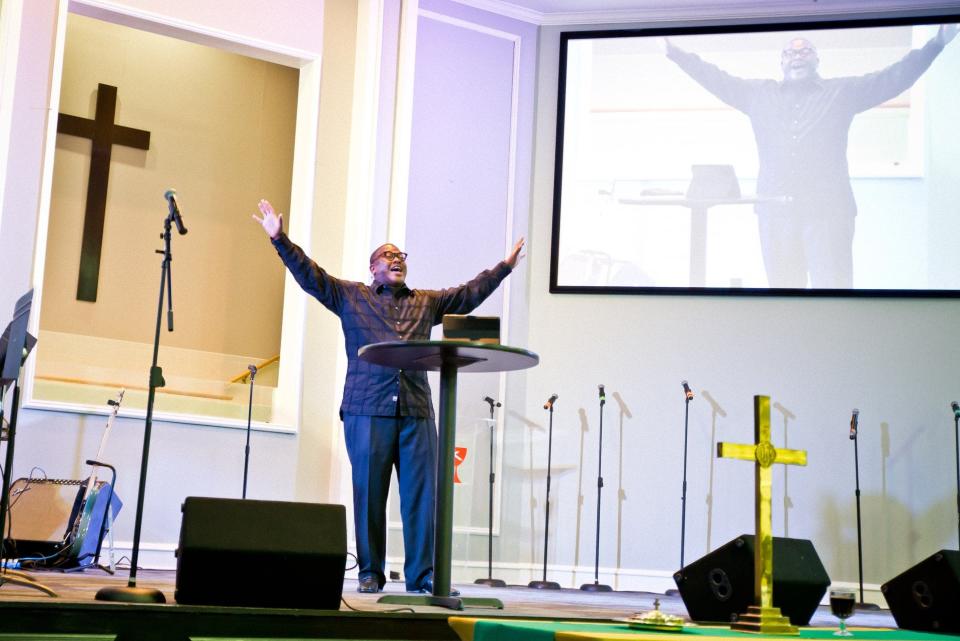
x=377 y=313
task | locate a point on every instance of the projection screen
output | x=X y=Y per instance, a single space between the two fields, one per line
x=793 y=159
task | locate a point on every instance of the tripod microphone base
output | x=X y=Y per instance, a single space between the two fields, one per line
x=493 y=583
x=129 y=594
x=544 y=585
x=596 y=587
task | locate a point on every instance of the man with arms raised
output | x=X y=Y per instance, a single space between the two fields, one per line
x=387 y=414
x=801 y=124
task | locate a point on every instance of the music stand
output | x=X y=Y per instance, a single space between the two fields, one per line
x=15 y=345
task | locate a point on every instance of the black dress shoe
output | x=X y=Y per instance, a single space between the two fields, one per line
x=369 y=585
x=426 y=587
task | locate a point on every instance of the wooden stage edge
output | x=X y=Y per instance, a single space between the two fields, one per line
x=25 y=612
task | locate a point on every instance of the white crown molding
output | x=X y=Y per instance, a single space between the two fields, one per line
x=506 y=9
x=659 y=11
x=119 y=13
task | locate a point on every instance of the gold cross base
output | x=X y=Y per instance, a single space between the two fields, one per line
x=764 y=621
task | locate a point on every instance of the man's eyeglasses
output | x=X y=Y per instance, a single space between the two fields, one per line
x=392 y=255
x=799 y=53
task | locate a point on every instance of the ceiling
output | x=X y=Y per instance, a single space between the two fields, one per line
x=562 y=12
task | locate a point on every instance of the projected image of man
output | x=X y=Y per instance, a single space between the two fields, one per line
x=801 y=125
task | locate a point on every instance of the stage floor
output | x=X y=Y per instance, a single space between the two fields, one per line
x=75 y=611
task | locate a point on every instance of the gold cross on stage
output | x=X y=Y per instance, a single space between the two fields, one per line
x=762 y=616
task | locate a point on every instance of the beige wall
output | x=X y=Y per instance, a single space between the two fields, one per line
x=320 y=448
x=187 y=459
x=222 y=134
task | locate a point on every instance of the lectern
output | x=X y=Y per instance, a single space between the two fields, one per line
x=449 y=358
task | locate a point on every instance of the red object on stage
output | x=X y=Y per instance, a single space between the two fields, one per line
x=459 y=454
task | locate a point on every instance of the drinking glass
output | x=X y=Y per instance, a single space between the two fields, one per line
x=842 y=602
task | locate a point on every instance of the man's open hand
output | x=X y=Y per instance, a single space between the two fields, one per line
x=514 y=256
x=271 y=222
x=946 y=33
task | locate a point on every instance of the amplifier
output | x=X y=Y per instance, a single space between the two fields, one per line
x=43 y=513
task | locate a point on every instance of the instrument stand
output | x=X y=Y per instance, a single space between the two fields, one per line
x=111 y=566
x=131 y=593
x=861 y=604
x=15 y=348
x=492 y=582
x=106 y=527
x=246 y=451
x=544 y=584
x=596 y=586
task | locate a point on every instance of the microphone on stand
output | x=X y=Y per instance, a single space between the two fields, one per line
x=854 y=423
x=171 y=196
x=955 y=406
x=246 y=450
x=544 y=584
x=596 y=586
x=687 y=397
x=492 y=582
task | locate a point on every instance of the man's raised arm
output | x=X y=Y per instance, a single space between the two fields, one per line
x=467 y=297
x=731 y=89
x=876 y=88
x=311 y=277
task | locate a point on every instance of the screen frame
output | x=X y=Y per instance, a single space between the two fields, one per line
x=758 y=25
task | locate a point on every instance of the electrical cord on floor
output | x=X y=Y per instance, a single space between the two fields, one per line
x=120 y=565
x=356 y=562
x=390 y=611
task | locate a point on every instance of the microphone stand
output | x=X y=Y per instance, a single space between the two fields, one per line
x=956 y=432
x=131 y=593
x=862 y=605
x=683 y=496
x=544 y=584
x=596 y=586
x=492 y=582
x=246 y=451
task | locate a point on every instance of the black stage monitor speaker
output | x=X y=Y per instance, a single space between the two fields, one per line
x=719 y=586
x=927 y=596
x=261 y=554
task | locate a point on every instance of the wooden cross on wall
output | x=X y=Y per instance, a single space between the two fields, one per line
x=763 y=617
x=104 y=134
